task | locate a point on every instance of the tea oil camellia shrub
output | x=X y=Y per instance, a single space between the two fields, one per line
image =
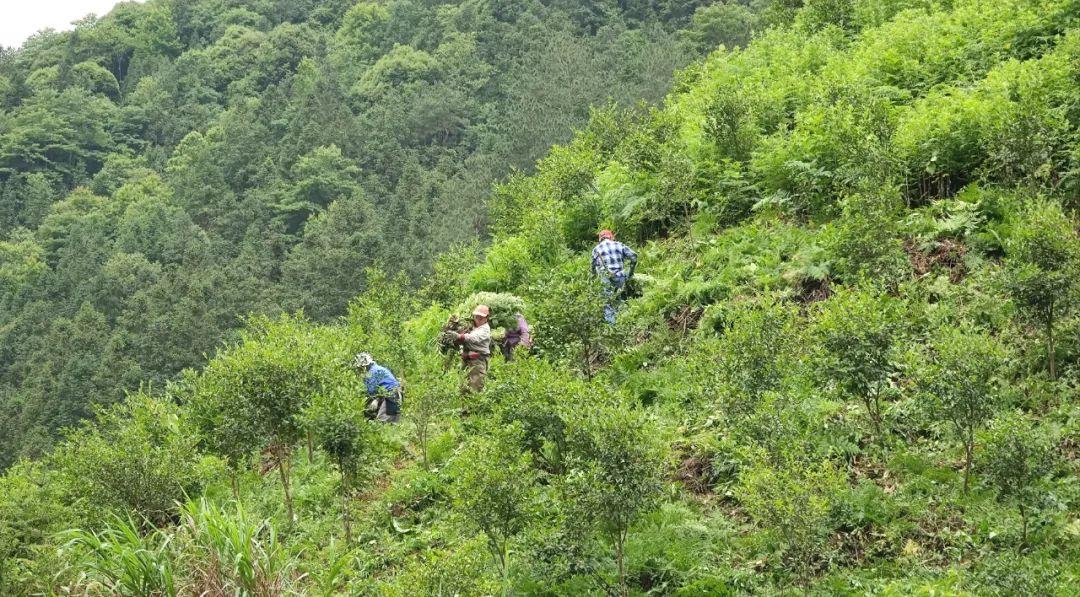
x=1044 y=255
x=342 y=430
x=254 y=395
x=755 y=354
x=794 y=501
x=569 y=316
x=857 y=331
x=495 y=490
x=541 y=399
x=1016 y=457
x=139 y=460
x=963 y=383
x=614 y=473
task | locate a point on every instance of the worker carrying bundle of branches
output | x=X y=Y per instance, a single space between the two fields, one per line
x=496 y=318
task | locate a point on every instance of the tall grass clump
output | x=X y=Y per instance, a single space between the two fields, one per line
x=229 y=553
x=120 y=560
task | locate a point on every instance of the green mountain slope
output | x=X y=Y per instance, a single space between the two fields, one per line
x=176 y=165
x=851 y=368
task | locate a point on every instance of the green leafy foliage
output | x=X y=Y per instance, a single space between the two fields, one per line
x=232 y=552
x=865 y=245
x=255 y=395
x=856 y=332
x=504 y=308
x=795 y=502
x=756 y=345
x=494 y=488
x=1016 y=458
x=264 y=155
x=963 y=382
x=856 y=234
x=614 y=473
x=569 y=309
x=138 y=458
x=540 y=399
x=337 y=422
x=1042 y=258
x=121 y=560
x=31 y=512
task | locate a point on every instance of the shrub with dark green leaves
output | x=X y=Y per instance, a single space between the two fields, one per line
x=1043 y=256
x=963 y=379
x=856 y=331
x=755 y=353
x=540 y=398
x=137 y=458
x=1015 y=459
x=569 y=308
x=32 y=511
x=615 y=469
x=864 y=244
x=794 y=501
x=495 y=490
x=433 y=395
x=340 y=427
x=253 y=395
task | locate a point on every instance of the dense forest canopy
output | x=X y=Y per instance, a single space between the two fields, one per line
x=176 y=165
x=850 y=365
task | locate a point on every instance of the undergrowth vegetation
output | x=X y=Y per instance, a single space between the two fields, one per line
x=853 y=367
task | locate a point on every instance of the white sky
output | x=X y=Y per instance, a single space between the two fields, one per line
x=19 y=19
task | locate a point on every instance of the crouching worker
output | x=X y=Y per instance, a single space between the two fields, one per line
x=476 y=348
x=516 y=337
x=383 y=389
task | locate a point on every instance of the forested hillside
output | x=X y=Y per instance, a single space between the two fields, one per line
x=178 y=164
x=852 y=366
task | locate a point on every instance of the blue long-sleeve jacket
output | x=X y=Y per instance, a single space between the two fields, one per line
x=380 y=380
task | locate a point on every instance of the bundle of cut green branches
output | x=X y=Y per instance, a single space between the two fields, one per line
x=504 y=308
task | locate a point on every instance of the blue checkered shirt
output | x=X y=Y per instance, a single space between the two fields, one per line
x=611 y=256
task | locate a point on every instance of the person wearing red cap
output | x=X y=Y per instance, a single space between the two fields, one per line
x=614 y=262
x=476 y=348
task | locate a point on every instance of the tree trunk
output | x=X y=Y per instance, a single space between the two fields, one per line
x=1024 y=523
x=345 y=508
x=421 y=438
x=505 y=569
x=873 y=410
x=235 y=485
x=585 y=361
x=968 y=449
x=283 y=464
x=1050 y=349
x=620 y=541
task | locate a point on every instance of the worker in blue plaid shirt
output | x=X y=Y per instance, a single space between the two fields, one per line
x=614 y=262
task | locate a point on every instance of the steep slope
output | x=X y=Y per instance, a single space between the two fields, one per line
x=851 y=368
x=174 y=166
